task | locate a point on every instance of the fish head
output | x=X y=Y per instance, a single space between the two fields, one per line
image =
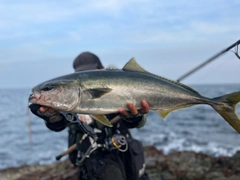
x=59 y=94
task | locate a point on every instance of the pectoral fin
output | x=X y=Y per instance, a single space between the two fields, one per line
x=102 y=119
x=98 y=92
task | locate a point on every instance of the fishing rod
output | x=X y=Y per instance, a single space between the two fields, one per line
x=213 y=58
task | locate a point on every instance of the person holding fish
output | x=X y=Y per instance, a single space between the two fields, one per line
x=116 y=155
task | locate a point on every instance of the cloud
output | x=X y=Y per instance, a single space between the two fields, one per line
x=33 y=12
x=161 y=32
x=216 y=28
x=125 y=21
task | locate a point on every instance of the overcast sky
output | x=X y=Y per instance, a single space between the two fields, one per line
x=40 y=39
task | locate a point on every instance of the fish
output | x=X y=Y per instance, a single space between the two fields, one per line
x=102 y=92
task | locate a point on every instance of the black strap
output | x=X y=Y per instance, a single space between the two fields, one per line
x=74 y=119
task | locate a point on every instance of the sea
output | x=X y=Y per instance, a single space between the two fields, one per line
x=25 y=140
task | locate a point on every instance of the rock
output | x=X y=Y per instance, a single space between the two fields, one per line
x=190 y=165
x=184 y=165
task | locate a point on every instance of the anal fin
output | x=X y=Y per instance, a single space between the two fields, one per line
x=163 y=113
x=102 y=119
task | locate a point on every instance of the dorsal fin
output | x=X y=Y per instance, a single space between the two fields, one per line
x=132 y=65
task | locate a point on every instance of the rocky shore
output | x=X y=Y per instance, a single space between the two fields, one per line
x=174 y=166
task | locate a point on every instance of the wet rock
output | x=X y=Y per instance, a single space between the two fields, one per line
x=174 y=166
x=190 y=165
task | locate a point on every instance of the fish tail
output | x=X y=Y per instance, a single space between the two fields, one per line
x=226 y=107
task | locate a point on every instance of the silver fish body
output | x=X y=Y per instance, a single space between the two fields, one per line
x=100 y=92
x=119 y=87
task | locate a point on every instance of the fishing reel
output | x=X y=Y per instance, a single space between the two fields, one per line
x=117 y=141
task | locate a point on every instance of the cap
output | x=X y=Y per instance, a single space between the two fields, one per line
x=87 y=61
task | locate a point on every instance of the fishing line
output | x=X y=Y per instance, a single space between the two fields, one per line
x=209 y=71
x=29 y=127
x=213 y=58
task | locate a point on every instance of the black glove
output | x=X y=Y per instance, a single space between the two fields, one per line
x=54 y=120
x=35 y=110
x=134 y=122
x=48 y=116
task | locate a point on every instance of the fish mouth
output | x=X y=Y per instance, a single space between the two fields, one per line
x=32 y=98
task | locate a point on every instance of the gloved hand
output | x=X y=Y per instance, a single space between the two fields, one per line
x=133 y=112
x=49 y=115
x=54 y=121
x=135 y=118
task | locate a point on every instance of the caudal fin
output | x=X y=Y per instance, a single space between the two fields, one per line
x=226 y=107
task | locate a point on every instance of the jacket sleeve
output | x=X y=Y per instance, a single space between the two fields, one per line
x=56 y=126
x=54 y=122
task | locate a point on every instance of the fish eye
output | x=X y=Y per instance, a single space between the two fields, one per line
x=47 y=88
